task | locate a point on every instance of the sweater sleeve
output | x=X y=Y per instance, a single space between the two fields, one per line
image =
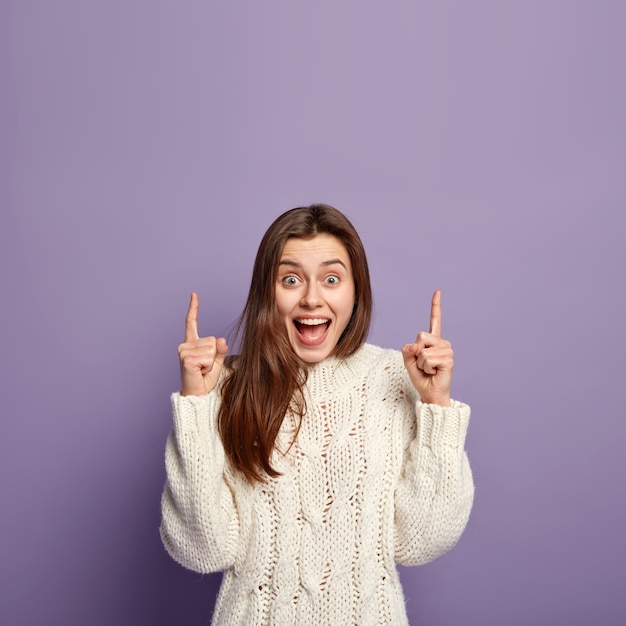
x=199 y=523
x=435 y=491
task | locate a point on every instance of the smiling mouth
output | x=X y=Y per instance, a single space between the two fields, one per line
x=312 y=331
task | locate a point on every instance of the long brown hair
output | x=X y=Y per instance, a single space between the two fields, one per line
x=267 y=377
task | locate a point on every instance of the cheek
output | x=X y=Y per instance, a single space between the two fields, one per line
x=351 y=301
x=345 y=306
x=284 y=303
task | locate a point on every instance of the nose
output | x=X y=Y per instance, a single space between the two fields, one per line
x=311 y=297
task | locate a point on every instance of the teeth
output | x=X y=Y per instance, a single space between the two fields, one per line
x=312 y=322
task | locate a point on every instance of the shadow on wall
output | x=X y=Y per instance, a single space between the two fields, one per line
x=181 y=596
x=168 y=594
x=151 y=587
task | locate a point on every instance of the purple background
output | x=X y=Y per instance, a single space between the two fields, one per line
x=479 y=147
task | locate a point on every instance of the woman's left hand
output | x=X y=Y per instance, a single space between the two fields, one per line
x=429 y=361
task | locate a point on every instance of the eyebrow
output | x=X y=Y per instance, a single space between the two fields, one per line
x=323 y=263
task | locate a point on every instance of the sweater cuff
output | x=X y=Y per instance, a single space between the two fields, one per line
x=438 y=425
x=195 y=414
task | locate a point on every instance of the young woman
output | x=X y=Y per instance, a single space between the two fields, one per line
x=312 y=462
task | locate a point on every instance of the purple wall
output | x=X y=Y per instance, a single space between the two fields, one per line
x=478 y=147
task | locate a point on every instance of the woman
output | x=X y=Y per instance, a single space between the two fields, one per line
x=311 y=463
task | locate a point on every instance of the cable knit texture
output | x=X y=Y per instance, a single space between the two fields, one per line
x=374 y=477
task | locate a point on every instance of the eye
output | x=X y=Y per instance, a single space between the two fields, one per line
x=332 y=280
x=290 y=281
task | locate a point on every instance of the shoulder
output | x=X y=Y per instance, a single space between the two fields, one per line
x=374 y=356
x=383 y=377
x=382 y=364
x=378 y=370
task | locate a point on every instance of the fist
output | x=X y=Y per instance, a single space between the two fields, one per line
x=430 y=360
x=201 y=359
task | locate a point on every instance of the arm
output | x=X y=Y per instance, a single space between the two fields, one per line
x=435 y=491
x=200 y=525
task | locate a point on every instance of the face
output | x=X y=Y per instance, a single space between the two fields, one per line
x=315 y=294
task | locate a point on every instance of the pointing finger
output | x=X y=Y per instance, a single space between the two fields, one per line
x=435 y=314
x=191 y=322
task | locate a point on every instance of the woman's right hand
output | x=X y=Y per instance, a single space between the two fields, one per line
x=201 y=359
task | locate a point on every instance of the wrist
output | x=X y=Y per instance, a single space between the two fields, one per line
x=443 y=401
x=192 y=391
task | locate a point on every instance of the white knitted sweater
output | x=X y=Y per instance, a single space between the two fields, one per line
x=365 y=485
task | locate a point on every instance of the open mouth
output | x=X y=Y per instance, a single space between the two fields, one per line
x=312 y=331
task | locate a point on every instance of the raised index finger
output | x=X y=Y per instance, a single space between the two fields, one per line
x=435 y=314
x=191 y=322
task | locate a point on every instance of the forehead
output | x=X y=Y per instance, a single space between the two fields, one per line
x=322 y=247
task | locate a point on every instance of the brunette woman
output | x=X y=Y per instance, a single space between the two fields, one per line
x=309 y=464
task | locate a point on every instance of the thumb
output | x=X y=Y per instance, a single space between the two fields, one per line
x=408 y=350
x=222 y=351
x=408 y=354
